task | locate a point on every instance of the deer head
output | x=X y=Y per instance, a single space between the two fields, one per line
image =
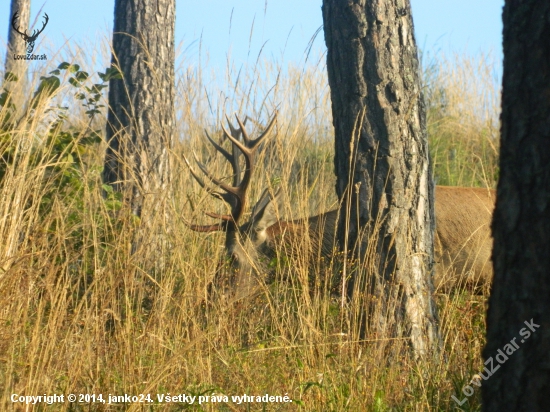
x=245 y=243
x=29 y=39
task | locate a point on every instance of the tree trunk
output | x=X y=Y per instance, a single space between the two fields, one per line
x=382 y=163
x=141 y=120
x=16 y=45
x=519 y=306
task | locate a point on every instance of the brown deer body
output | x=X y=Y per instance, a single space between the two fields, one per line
x=462 y=241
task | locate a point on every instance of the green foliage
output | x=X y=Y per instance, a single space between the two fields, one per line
x=68 y=154
x=110 y=73
x=6 y=102
x=113 y=201
x=65 y=148
x=46 y=88
x=10 y=77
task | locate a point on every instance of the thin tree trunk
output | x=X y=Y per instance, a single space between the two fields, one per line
x=519 y=306
x=16 y=45
x=381 y=160
x=141 y=120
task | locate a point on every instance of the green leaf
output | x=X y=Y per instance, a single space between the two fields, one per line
x=94 y=137
x=108 y=189
x=113 y=205
x=110 y=73
x=310 y=384
x=56 y=72
x=74 y=82
x=4 y=98
x=50 y=83
x=96 y=88
x=134 y=219
x=63 y=66
x=73 y=68
x=10 y=77
x=47 y=86
x=80 y=96
x=81 y=76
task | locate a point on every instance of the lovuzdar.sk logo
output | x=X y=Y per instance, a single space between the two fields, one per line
x=29 y=39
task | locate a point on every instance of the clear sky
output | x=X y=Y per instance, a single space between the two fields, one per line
x=214 y=30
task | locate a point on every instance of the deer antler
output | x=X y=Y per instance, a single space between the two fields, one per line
x=234 y=194
x=13 y=20
x=35 y=33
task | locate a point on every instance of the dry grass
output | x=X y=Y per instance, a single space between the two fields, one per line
x=463 y=100
x=80 y=314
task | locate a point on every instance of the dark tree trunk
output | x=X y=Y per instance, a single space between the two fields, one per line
x=141 y=120
x=16 y=45
x=520 y=297
x=381 y=159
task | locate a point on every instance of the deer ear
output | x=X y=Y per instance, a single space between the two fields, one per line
x=264 y=213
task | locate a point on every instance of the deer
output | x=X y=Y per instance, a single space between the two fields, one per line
x=462 y=243
x=32 y=38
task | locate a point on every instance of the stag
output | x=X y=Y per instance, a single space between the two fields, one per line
x=29 y=39
x=462 y=240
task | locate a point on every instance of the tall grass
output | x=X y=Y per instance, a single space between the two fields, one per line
x=462 y=99
x=80 y=313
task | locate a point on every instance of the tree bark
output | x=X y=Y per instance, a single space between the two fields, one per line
x=381 y=161
x=16 y=45
x=141 y=119
x=519 y=302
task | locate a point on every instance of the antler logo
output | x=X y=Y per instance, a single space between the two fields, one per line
x=29 y=39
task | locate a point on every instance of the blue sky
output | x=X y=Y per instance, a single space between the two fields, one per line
x=213 y=30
